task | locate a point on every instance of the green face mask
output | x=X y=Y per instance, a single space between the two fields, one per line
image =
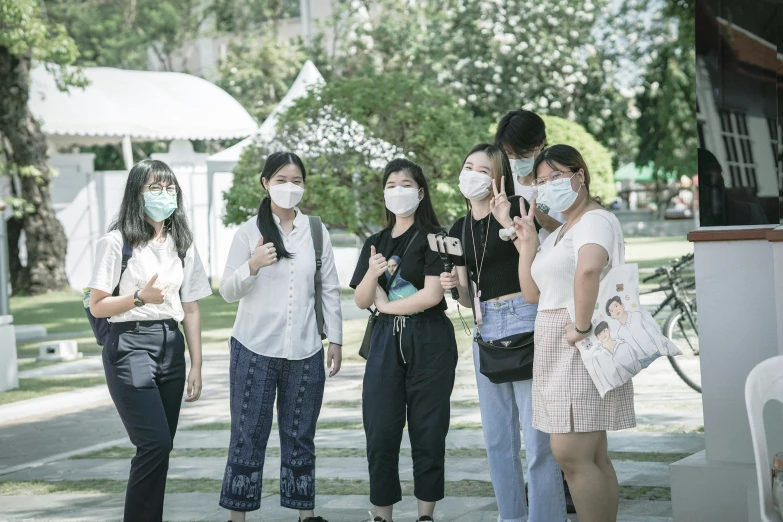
x=159 y=207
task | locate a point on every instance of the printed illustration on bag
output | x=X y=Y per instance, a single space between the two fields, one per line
x=400 y=287
x=625 y=338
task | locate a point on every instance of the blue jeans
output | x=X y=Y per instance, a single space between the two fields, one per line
x=506 y=406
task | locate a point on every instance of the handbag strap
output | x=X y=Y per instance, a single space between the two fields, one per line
x=374 y=311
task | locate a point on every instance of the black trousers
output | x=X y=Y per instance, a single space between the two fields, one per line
x=410 y=374
x=144 y=364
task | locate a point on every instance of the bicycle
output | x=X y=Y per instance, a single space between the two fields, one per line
x=681 y=325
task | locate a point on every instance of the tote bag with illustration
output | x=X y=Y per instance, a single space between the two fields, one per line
x=625 y=337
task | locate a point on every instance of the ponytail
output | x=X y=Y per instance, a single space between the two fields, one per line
x=266 y=224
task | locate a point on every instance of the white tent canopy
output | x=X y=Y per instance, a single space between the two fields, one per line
x=119 y=104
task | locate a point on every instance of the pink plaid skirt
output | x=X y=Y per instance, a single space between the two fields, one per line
x=562 y=386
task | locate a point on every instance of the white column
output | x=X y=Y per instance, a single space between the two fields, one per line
x=738 y=328
x=127 y=152
x=9 y=370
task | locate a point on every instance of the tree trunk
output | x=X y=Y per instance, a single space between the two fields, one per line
x=45 y=237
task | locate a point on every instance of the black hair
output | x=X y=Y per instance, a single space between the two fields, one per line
x=601 y=327
x=500 y=164
x=132 y=221
x=521 y=131
x=425 y=219
x=568 y=156
x=615 y=299
x=265 y=221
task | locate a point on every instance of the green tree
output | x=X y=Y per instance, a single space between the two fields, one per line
x=347 y=130
x=25 y=37
x=493 y=56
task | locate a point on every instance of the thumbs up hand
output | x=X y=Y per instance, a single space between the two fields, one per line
x=377 y=265
x=151 y=293
x=263 y=255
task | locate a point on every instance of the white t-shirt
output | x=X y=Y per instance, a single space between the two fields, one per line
x=153 y=258
x=554 y=267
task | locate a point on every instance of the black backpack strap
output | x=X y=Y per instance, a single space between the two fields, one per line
x=470 y=281
x=127 y=253
x=316 y=231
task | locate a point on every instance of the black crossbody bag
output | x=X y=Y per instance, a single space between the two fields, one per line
x=508 y=359
x=364 y=350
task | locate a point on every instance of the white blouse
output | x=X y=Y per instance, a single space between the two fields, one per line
x=180 y=285
x=554 y=267
x=276 y=316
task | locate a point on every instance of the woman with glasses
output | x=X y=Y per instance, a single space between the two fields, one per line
x=561 y=274
x=488 y=188
x=147 y=279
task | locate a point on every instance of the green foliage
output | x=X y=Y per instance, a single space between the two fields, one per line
x=258 y=73
x=597 y=157
x=667 y=126
x=347 y=130
x=25 y=33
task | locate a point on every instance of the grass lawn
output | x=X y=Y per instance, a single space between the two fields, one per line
x=33 y=388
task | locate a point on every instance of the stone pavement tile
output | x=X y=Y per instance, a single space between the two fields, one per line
x=628 y=473
x=200 y=507
x=632 y=441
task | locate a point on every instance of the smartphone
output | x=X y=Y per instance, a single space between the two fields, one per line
x=445 y=244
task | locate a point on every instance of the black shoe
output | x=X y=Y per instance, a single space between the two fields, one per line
x=425 y=518
x=570 y=508
x=378 y=519
x=313 y=519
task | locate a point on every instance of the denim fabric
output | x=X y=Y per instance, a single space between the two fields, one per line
x=300 y=389
x=506 y=406
x=144 y=364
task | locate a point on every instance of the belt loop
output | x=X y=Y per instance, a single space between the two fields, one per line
x=136 y=329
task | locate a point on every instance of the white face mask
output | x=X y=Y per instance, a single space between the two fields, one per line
x=286 y=195
x=522 y=167
x=526 y=191
x=558 y=195
x=402 y=201
x=474 y=185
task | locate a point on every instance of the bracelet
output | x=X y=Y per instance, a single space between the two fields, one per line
x=583 y=332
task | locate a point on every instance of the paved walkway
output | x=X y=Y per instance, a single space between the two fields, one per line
x=38 y=448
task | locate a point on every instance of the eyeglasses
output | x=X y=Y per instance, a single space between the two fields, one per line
x=157 y=188
x=555 y=178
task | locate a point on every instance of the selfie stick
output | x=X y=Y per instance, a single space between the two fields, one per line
x=447 y=264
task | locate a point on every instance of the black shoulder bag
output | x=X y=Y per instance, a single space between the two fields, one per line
x=364 y=350
x=501 y=360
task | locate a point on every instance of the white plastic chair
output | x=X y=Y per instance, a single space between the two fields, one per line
x=764 y=383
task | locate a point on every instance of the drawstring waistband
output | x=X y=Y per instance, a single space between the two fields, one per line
x=399 y=326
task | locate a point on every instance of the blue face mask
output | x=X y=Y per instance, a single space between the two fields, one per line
x=159 y=207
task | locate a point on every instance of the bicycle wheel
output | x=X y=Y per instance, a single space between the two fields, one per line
x=683 y=334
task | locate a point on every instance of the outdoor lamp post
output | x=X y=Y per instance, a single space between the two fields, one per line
x=9 y=370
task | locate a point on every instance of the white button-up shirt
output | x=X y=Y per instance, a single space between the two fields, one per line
x=276 y=316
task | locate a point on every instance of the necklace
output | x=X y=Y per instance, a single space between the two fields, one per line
x=483 y=253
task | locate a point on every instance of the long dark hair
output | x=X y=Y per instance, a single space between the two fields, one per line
x=131 y=220
x=500 y=164
x=569 y=157
x=425 y=219
x=521 y=131
x=265 y=221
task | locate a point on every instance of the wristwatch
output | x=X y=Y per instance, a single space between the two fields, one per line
x=137 y=300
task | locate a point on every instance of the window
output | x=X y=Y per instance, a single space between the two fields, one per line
x=739 y=152
x=777 y=153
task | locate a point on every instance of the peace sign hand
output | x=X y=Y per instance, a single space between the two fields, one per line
x=499 y=205
x=525 y=225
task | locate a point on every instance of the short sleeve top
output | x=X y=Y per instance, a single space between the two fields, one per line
x=554 y=267
x=181 y=284
x=417 y=263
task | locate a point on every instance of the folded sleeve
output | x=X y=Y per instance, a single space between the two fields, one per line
x=195 y=283
x=363 y=264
